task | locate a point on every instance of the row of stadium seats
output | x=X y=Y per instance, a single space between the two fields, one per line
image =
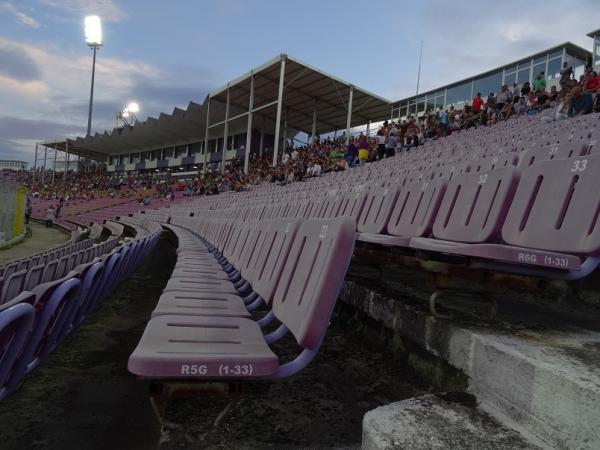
x=529 y=209
x=203 y=327
x=54 y=263
x=36 y=322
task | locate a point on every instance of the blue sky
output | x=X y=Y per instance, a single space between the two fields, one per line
x=165 y=53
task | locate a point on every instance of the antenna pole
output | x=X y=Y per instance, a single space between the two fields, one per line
x=419 y=72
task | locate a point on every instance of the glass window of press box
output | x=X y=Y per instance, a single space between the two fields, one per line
x=577 y=62
x=487 y=84
x=458 y=96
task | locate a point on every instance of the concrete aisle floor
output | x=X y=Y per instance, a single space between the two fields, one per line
x=83 y=396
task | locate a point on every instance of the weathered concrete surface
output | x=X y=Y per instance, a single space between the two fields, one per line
x=83 y=397
x=444 y=421
x=543 y=380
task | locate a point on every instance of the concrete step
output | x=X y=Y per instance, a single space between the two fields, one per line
x=542 y=379
x=440 y=421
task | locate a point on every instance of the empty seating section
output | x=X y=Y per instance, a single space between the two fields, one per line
x=83 y=213
x=49 y=265
x=203 y=326
x=55 y=291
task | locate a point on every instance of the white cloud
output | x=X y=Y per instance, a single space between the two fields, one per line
x=20 y=16
x=464 y=38
x=106 y=9
x=63 y=83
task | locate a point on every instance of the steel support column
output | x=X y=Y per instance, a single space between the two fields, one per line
x=279 y=108
x=313 y=131
x=205 y=163
x=249 y=127
x=349 y=118
x=225 y=131
x=44 y=169
x=67 y=161
x=35 y=165
x=54 y=165
x=261 y=146
x=284 y=134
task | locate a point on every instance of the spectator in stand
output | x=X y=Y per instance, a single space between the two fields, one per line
x=581 y=102
x=542 y=100
x=380 y=144
x=50 y=216
x=526 y=89
x=317 y=169
x=443 y=119
x=335 y=155
x=363 y=148
x=521 y=107
x=28 y=210
x=491 y=102
x=392 y=143
x=563 y=108
x=539 y=83
x=506 y=111
x=351 y=153
x=502 y=98
x=566 y=73
x=516 y=93
x=553 y=96
x=477 y=104
x=592 y=83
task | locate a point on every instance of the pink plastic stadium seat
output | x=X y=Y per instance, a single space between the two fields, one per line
x=234 y=348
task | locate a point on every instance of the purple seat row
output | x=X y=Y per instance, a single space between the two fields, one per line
x=207 y=324
x=34 y=323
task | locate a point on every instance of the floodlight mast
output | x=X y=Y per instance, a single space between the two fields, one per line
x=93 y=38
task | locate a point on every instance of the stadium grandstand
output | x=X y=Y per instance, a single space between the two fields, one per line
x=13 y=165
x=297 y=262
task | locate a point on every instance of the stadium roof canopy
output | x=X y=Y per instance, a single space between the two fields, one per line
x=311 y=101
x=69 y=146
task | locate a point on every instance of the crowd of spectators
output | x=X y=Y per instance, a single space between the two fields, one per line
x=572 y=97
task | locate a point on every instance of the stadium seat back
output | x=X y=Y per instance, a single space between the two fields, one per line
x=556 y=207
x=417 y=208
x=274 y=250
x=248 y=257
x=13 y=286
x=245 y=233
x=566 y=149
x=352 y=204
x=16 y=319
x=312 y=276
x=35 y=276
x=50 y=271
x=475 y=205
x=377 y=209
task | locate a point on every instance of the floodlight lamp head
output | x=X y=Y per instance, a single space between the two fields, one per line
x=133 y=108
x=93 y=31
